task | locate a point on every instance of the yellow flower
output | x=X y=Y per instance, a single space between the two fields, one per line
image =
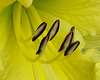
x=18 y=23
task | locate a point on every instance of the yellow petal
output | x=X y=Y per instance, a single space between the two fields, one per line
x=97 y=71
x=15 y=65
x=1 y=65
x=5 y=26
x=82 y=14
x=26 y=3
x=92 y=42
x=82 y=65
x=5 y=3
x=12 y=62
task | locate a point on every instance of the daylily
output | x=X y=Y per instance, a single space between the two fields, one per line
x=19 y=21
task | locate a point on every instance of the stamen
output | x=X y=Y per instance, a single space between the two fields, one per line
x=39 y=31
x=41 y=49
x=54 y=29
x=51 y=60
x=71 y=48
x=42 y=45
x=73 y=30
x=67 y=41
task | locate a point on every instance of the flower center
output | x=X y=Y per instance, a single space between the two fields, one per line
x=20 y=19
x=68 y=42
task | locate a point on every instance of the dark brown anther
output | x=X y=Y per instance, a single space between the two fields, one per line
x=67 y=41
x=39 y=31
x=73 y=30
x=42 y=45
x=71 y=48
x=54 y=29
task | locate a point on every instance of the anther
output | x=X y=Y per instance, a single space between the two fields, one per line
x=67 y=41
x=42 y=45
x=71 y=48
x=39 y=31
x=54 y=29
x=73 y=30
